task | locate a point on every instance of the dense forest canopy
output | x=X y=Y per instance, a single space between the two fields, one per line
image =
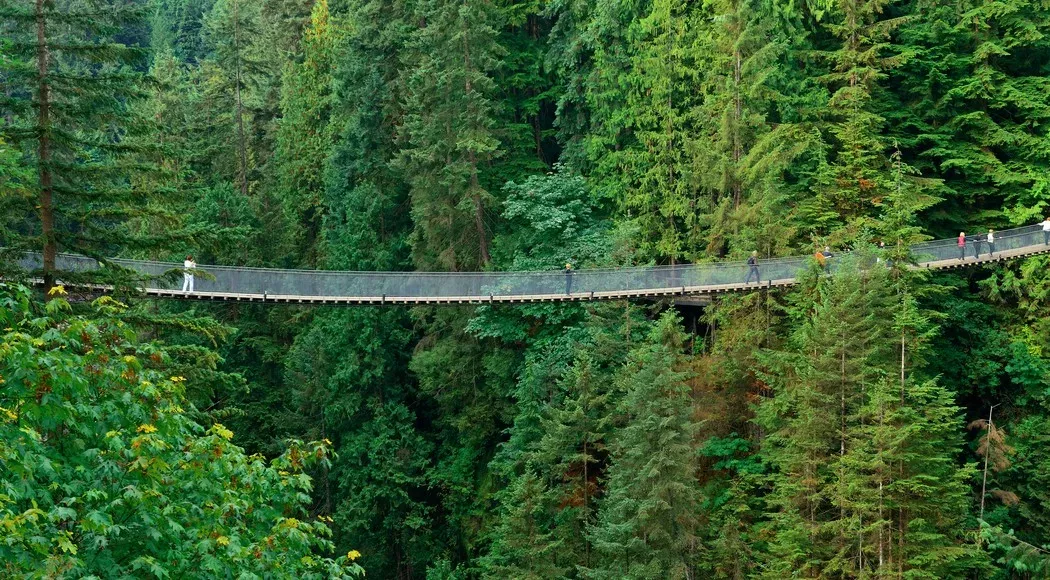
x=874 y=423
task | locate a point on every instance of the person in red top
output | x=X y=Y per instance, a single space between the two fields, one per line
x=962 y=245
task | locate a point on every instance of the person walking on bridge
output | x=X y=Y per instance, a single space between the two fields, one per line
x=187 y=276
x=991 y=242
x=976 y=241
x=568 y=278
x=827 y=258
x=752 y=268
x=962 y=245
x=1046 y=231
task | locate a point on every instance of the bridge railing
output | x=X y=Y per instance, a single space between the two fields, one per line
x=480 y=285
x=1006 y=240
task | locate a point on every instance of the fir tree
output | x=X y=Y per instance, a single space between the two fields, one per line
x=743 y=76
x=363 y=191
x=523 y=546
x=229 y=32
x=658 y=171
x=304 y=136
x=647 y=521
x=69 y=86
x=975 y=105
x=857 y=175
x=859 y=489
x=449 y=133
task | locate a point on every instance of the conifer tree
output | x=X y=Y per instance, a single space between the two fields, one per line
x=524 y=546
x=449 y=133
x=661 y=190
x=304 y=136
x=69 y=85
x=574 y=450
x=974 y=106
x=363 y=191
x=859 y=487
x=647 y=521
x=743 y=76
x=856 y=175
x=176 y=28
x=229 y=33
x=570 y=56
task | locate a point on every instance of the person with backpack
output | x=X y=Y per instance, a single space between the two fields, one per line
x=827 y=258
x=752 y=268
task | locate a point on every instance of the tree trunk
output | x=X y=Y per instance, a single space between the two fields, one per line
x=987 y=452
x=475 y=186
x=479 y=213
x=47 y=209
x=242 y=148
x=737 y=110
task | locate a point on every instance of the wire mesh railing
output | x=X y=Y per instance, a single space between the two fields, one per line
x=691 y=278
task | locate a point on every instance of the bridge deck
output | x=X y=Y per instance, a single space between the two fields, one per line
x=275 y=286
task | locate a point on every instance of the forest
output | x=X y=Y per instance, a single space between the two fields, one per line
x=871 y=423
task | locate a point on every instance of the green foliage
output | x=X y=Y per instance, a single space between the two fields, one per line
x=815 y=432
x=647 y=525
x=104 y=473
x=862 y=448
x=449 y=132
x=71 y=80
x=304 y=136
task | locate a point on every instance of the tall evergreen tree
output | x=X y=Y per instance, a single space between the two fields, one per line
x=525 y=547
x=854 y=491
x=449 y=134
x=647 y=523
x=658 y=170
x=856 y=175
x=753 y=139
x=229 y=33
x=304 y=137
x=974 y=104
x=69 y=85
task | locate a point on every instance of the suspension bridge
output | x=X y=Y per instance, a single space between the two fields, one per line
x=272 y=285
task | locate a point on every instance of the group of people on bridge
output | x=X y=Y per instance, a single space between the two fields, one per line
x=976 y=240
x=823 y=257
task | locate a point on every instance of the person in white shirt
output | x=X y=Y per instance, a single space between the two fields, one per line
x=1046 y=231
x=991 y=242
x=187 y=277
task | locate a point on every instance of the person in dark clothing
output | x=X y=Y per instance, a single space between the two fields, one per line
x=976 y=240
x=962 y=245
x=752 y=268
x=568 y=278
